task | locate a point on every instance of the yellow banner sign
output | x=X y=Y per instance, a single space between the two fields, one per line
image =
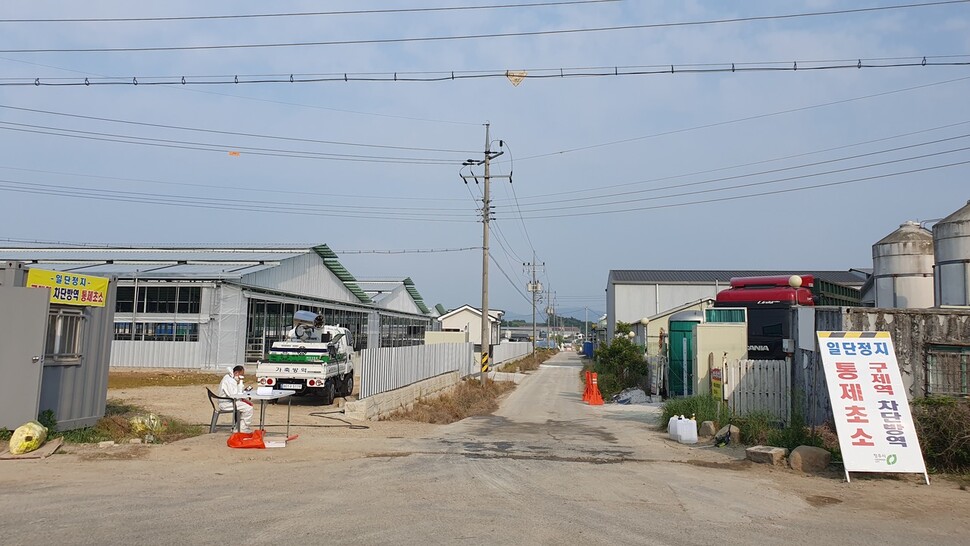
x=70 y=288
x=717 y=385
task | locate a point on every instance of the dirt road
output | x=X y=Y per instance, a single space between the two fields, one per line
x=545 y=468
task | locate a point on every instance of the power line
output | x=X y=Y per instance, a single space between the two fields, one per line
x=586 y=200
x=484 y=35
x=760 y=194
x=536 y=74
x=410 y=251
x=227 y=204
x=305 y=14
x=274 y=191
x=269 y=101
x=235 y=244
x=511 y=282
x=211 y=147
x=233 y=133
x=762 y=183
x=744 y=119
x=750 y=164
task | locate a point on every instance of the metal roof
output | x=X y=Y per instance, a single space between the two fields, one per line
x=151 y=254
x=418 y=300
x=333 y=264
x=673 y=276
x=379 y=289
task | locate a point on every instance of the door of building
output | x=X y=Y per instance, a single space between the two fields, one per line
x=23 y=338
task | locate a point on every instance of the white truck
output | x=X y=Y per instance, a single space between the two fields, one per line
x=315 y=359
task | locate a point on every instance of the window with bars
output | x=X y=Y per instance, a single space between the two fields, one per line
x=946 y=370
x=65 y=334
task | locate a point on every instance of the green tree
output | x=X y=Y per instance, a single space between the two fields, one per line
x=619 y=365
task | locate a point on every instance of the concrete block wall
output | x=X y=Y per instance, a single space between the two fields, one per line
x=374 y=407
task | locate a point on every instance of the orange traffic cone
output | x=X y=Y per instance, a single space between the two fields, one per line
x=586 y=388
x=595 y=398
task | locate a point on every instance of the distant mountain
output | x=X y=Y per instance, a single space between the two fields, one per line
x=578 y=314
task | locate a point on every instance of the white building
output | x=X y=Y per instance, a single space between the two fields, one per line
x=210 y=307
x=632 y=295
x=469 y=319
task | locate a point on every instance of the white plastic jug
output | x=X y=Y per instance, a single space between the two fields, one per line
x=672 y=428
x=687 y=431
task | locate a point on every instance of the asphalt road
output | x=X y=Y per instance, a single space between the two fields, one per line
x=544 y=469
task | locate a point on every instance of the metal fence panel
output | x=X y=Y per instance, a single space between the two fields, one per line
x=507 y=351
x=760 y=386
x=388 y=368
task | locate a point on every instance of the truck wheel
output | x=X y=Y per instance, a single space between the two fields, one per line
x=347 y=385
x=329 y=392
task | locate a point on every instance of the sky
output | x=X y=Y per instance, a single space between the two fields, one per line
x=635 y=167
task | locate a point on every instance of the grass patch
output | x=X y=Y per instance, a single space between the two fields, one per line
x=470 y=397
x=703 y=408
x=530 y=362
x=133 y=379
x=121 y=424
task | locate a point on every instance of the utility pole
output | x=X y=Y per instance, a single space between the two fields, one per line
x=486 y=216
x=534 y=288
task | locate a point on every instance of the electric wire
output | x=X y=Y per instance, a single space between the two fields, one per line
x=268 y=101
x=588 y=201
x=599 y=189
x=446 y=76
x=511 y=282
x=212 y=147
x=219 y=203
x=760 y=183
x=760 y=194
x=307 y=14
x=233 y=133
x=491 y=35
x=744 y=119
x=274 y=191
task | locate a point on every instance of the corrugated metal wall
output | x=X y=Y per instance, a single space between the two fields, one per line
x=386 y=369
x=503 y=352
x=77 y=393
x=158 y=354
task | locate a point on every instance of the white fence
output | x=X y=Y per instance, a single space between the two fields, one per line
x=759 y=385
x=509 y=350
x=389 y=368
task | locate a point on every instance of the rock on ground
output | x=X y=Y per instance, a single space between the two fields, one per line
x=767 y=455
x=809 y=459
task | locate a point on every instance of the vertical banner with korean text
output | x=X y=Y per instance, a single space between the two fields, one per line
x=872 y=415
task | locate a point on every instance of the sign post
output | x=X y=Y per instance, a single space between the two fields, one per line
x=872 y=414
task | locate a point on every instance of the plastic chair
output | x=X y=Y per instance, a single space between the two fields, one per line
x=217 y=411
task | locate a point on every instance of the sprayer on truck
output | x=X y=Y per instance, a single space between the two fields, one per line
x=315 y=359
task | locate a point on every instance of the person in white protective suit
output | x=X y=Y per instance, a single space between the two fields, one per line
x=232 y=384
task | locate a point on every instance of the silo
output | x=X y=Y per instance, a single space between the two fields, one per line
x=951 y=241
x=902 y=268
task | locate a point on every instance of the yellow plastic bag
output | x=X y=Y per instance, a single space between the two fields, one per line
x=141 y=424
x=27 y=438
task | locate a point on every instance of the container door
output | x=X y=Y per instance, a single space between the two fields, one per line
x=23 y=338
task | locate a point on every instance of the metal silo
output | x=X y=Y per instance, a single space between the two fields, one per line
x=951 y=241
x=902 y=268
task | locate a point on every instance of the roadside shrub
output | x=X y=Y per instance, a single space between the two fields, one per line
x=755 y=427
x=619 y=365
x=5 y=434
x=703 y=408
x=943 y=426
